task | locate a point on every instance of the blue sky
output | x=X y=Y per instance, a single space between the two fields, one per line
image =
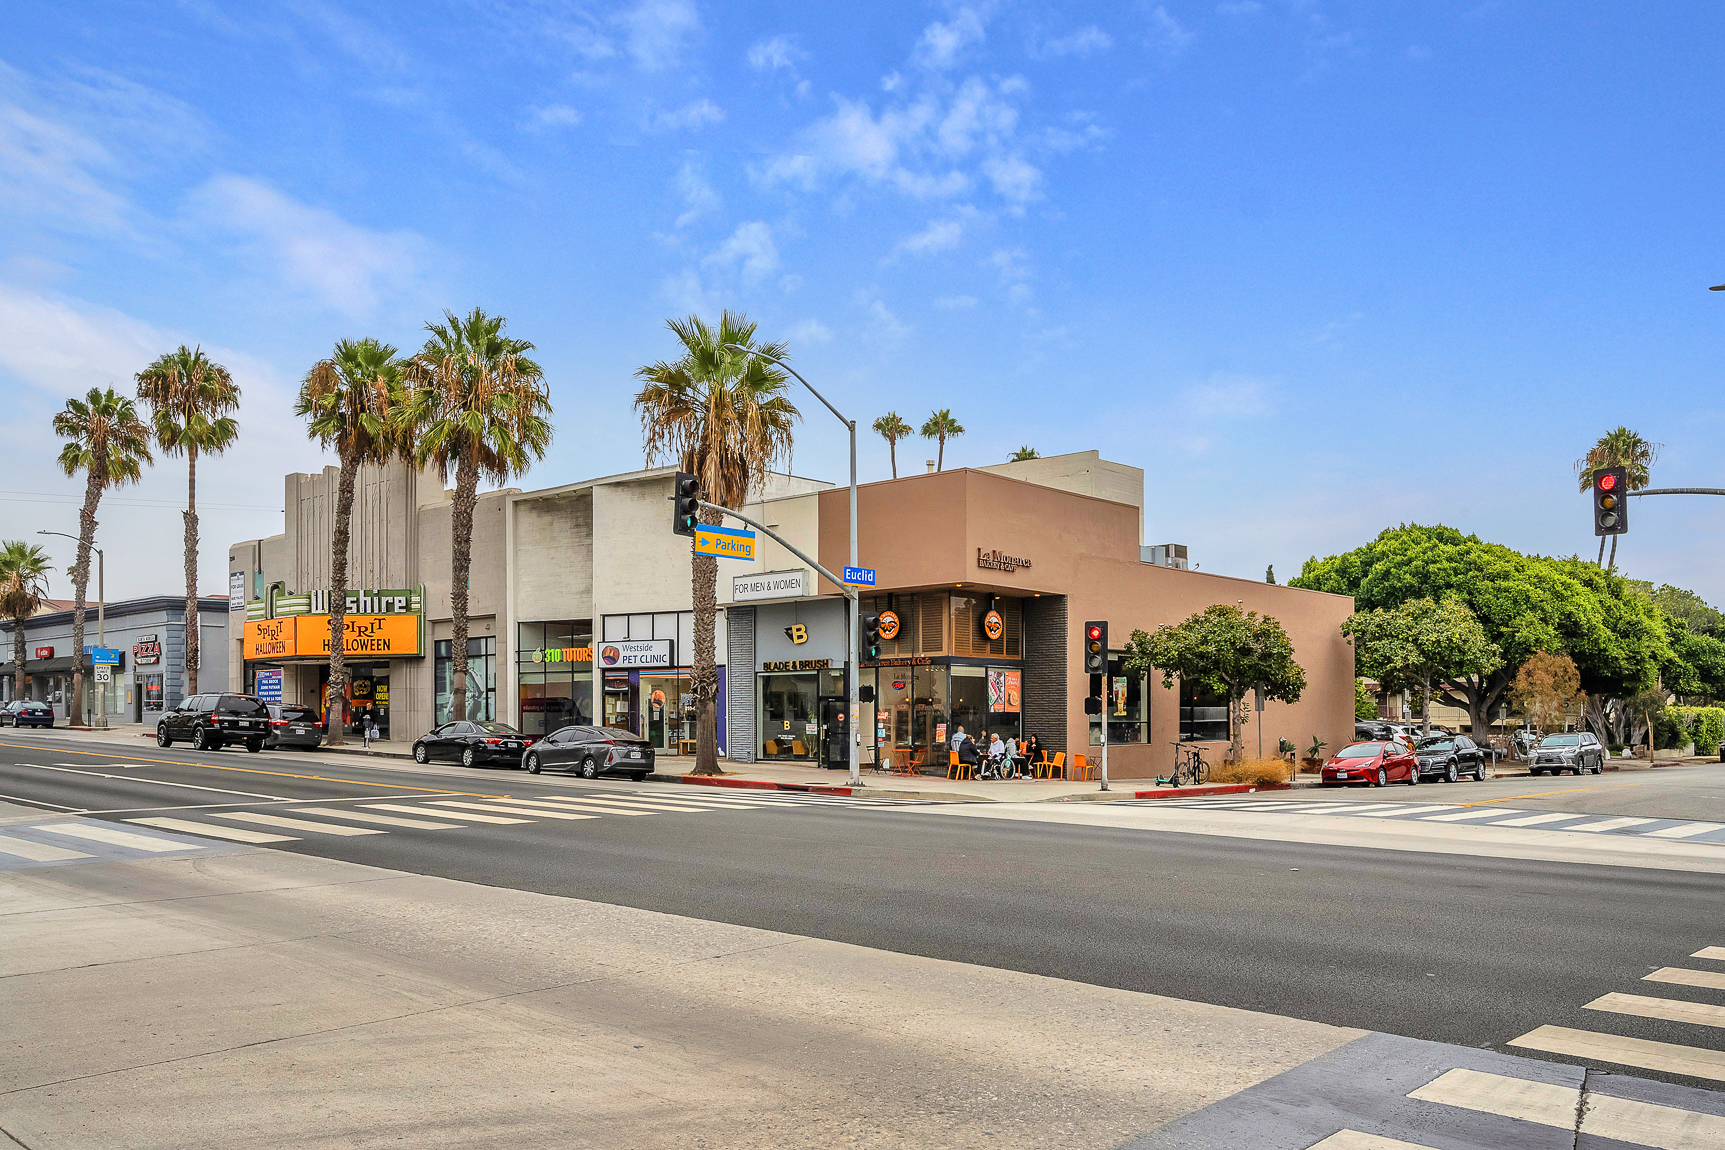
x=1319 y=268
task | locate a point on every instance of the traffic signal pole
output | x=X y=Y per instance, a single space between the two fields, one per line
x=851 y=648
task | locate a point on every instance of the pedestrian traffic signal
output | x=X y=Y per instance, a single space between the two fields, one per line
x=871 y=637
x=1096 y=648
x=1610 y=507
x=686 y=495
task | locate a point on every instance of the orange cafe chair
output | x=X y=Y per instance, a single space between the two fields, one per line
x=956 y=769
x=1083 y=770
x=1057 y=768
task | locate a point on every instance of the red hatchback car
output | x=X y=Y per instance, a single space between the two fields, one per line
x=1376 y=764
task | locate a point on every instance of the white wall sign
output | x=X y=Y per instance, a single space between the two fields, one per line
x=236 y=590
x=772 y=585
x=634 y=654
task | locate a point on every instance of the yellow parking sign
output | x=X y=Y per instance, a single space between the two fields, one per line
x=724 y=542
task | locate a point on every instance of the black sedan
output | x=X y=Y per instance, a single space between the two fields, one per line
x=25 y=713
x=472 y=744
x=292 y=725
x=593 y=751
x=1449 y=757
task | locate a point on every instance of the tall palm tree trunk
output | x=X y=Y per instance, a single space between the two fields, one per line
x=1612 y=566
x=20 y=681
x=1600 y=562
x=704 y=674
x=191 y=517
x=337 y=693
x=81 y=579
x=461 y=560
x=892 y=450
x=940 y=456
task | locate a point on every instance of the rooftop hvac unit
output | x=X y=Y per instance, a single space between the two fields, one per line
x=1166 y=555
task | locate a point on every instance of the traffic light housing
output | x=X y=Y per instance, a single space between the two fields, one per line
x=1095 y=648
x=686 y=496
x=1610 y=501
x=871 y=636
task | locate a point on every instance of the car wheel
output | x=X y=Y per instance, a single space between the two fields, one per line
x=638 y=776
x=420 y=754
x=163 y=739
x=1450 y=774
x=468 y=758
x=202 y=741
x=589 y=767
x=253 y=746
x=531 y=762
x=1383 y=777
x=1414 y=775
x=1479 y=772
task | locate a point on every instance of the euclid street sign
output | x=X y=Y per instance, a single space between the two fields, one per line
x=860 y=576
x=724 y=542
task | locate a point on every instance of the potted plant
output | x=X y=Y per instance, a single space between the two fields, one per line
x=1315 y=754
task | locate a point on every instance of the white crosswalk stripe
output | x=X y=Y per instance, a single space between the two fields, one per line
x=113 y=836
x=1536 y=820
x=1710 y=952
x=1608 y=825
x=37 y=852
x=210 y=830
x=1669 y=1009
x=503 y=809
x=381 y=820
x=1549 y=1104
x=1356 y=1140
x=1669 y=1057
x=464 y=816
x=1711 y=979
x=1482 y=815
x=296 y=824
x=1685 y=831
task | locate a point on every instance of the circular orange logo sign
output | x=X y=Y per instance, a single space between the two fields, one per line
x=992 y=625
x=889 y=624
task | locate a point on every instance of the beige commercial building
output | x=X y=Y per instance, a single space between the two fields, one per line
x=987 y=576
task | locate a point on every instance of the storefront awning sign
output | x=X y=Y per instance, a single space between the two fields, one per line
x=724 y=542
x=771 y=585
x=307 y=636
x=633 y=653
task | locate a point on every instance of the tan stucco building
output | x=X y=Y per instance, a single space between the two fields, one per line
x=1043 y=544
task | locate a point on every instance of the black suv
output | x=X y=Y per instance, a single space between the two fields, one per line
x=210 y=722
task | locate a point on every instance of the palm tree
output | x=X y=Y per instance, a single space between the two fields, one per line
x=892 y=429
x=107 y=441
x=23 y=585
x=1619 y=448
x=475 y=404
x=1023 y=453
x=941 y=425
x=189 y=398
x=347 y=401
x=722 y=416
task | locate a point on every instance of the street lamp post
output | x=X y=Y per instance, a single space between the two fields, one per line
x=854 y=664
x=101 y=618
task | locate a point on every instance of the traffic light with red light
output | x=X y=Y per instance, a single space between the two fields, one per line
x=1096 y=648
x=1610 y=505
x=686 y=495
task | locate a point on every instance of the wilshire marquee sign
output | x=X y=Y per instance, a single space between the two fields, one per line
x=999 y=561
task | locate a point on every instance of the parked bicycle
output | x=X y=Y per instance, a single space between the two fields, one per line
x=1189 y=767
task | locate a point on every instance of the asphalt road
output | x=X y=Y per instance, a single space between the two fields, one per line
x=1440 y=947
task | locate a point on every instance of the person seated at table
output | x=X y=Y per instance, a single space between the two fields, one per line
x=1030 y=749
x=996 y=748
x=965 y=746
x=1016 y=756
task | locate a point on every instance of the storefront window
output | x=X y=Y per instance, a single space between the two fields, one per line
x=892 y=714
x=969 y=694
x=481 y=680
x=1124 y=706
x=1203 y=714
x=788 y=724
x=554 y=669
x=669 y=703
x=929 y=717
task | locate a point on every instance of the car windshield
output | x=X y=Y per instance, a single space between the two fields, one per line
x=1360 y=751
x=299 y=714
x=497 y=728
x=622 y=735
x=1445 y=744
x=1560 y=741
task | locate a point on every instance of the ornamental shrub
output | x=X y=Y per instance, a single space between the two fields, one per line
x=1704 y=726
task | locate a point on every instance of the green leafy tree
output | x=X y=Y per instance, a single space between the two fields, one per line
x=1270 y=574
x=1524 y=603
x=1415 y=642
x=348 y=402
x=189 y=398
x=942 y=426
x=1023 y=453
x=892 y=429
x=1618 y=448
x=23 y=585
x=1698 y=615
x=475 y=405
x=107 y=441
x=1365 y=703
x=1226 y=650
x=720 y=410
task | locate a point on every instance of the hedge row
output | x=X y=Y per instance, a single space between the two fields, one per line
x=1703 y=726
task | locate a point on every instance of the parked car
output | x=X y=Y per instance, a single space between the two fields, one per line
x=1366 y=729
x=1376 y=763
x=1578 y=752
x=292 y=725
x=1449 y=757
x=593 y=751
x=471 y=743
x=211 y=722
x=26 y=713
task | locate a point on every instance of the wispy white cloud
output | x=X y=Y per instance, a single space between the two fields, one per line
x=1167 y=33
x=808 y=331
x=943 y=41
x=694 y=114
x=1225 y=396
x=750 y=249
x=698 y=195
x=1013 y=178
x=547 y=116
x=1079 y=42
x=776 y=53
x=1240 y=8
x=656 y=32
x=342 y=266
x=955 y=302
x=881 y=318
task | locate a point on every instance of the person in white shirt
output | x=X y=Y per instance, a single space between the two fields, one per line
x=996 y=748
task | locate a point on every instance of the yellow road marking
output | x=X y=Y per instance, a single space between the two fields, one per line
x=277 y=774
